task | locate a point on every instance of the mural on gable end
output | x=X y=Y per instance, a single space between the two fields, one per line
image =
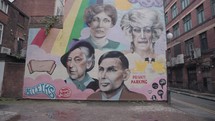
x=107 y=50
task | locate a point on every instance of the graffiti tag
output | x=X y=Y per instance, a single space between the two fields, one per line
x=42 y=88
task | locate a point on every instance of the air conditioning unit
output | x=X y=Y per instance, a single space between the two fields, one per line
x=196 y=53
x=180 y=59
x=23 y=52
x=168 y=64
x=173 y=61
x=5 y=50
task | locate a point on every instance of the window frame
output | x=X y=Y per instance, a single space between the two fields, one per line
x=189 y=47
x=187 y=22
x=177 y=50
x=174 y=10
x=213 y=7
x=3 y=6
x=166 y=18
x=203 y=41
x=176 y=30
x=20 y=45
x=184 y=4
x=200 y=14
x=1 y=32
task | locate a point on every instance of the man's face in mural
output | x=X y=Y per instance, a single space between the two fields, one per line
x=142 y=37
x=100 y=25
x=77 y=64
x=111 y=74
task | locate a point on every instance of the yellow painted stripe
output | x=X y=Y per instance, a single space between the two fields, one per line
x=64 y=34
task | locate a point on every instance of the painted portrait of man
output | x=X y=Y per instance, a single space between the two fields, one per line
x=112 y=72
x=78 y=61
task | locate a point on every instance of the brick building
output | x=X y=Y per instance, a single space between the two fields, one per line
x=13 y=42
x=16 y=19
x=191 y=51
x=37 y=10
x=14 y=29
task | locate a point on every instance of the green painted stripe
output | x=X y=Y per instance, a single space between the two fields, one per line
x=79 y=22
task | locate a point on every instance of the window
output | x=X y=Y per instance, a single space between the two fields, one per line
x=200 y=14
x=176 y=31
x=174 y=10
x=168 y=54
x=3 y=6
x=177 y=50
x=179 y=75
x=168 y=40
x=187 y=23
x=20 y=45
x=203 y=41
x=1 y=32
x=184 y=3
x=166 y=18
x=189 y=46
x=213 y=7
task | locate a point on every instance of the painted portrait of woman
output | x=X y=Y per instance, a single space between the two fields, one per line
x=100 y=18
x=144 y=27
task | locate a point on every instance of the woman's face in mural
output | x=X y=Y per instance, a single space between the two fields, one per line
x=77 y=64
x=111 y=74
x=142 y=37
x=100 y=25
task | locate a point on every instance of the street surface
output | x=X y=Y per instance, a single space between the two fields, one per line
x=195 y=106
x=47 y=110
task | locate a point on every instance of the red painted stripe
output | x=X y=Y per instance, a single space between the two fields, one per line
x=40 y=37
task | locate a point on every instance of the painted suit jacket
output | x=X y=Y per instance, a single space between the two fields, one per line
x=125 y=95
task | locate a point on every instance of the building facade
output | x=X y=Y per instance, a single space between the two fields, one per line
x=191 y=51
x=13 y=29
x=41 y=11
x=13 y=42
x=16 y=19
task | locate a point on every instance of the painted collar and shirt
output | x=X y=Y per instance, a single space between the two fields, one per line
x=115 y=97
x=86 y=83
x=109 y=45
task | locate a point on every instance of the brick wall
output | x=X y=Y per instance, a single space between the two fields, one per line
x=13 y=80
x=3 y=17
x=36 y=7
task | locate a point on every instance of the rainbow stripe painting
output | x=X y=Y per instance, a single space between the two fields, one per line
x=108 y=50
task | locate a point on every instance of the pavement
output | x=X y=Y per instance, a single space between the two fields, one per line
x=202 y=95
x=51 y=110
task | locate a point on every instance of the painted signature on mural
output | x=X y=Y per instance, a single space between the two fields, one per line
x=65 y=92
x=148 y=3
x=42 y=88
